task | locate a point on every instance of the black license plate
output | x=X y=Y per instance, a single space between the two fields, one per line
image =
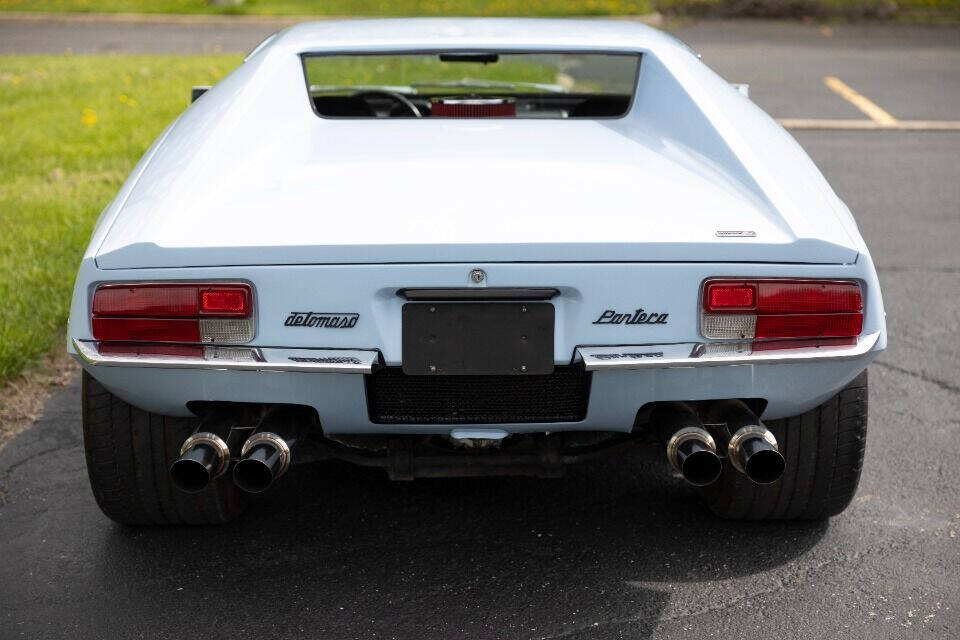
x=478 y=338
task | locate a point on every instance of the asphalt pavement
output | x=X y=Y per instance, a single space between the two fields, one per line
x=621 y=549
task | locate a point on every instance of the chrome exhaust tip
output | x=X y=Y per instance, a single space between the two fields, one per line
x=753 y=451
x=204 y=457
x=693 y=452
x=264 y=458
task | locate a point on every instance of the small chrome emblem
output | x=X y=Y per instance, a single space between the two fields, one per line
x=478 y=276
x=736 y=234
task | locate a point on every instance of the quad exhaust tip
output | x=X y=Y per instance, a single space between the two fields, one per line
x=204 y=457
x=753 y=451
x=693 y=452
x=264 y=458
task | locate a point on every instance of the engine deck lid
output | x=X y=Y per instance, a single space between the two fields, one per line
x=504 y=191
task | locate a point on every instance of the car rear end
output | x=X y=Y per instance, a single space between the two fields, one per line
x=558 y=291
x=482 y=368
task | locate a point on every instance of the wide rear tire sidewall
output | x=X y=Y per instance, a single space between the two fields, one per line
x=129 y=452
x=823 y=450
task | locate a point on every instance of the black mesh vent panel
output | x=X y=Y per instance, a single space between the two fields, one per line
x=396 y=398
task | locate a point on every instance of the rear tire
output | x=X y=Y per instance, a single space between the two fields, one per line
x=823 y=449
x=129 y=453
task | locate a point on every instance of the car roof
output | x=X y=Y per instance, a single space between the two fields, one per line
x=526 y=34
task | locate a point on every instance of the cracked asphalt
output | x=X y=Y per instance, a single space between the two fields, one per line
x=617 y=550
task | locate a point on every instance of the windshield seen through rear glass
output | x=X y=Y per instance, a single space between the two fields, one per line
x=472 y=85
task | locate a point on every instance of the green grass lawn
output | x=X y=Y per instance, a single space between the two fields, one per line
x=72 y=129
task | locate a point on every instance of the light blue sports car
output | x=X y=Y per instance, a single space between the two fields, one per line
x=469 y=247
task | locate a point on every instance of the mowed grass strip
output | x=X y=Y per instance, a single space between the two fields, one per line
x=71 y=129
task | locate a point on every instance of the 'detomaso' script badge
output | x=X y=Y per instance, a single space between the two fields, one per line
x=321 y=320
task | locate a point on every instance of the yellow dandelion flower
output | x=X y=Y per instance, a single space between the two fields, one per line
x=15 y=80
x=88 y=117
x=124 y=98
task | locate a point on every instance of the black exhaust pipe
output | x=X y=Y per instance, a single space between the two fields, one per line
x=264 y=458
x=204 y=457
x=753 y=449
x=690 y=448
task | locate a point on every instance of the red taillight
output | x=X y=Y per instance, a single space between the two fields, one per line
x=147 y=329
x=774 y=345
x=127 y=349
x=809 y=297
x=145 y=300
x=729 y=297
x=781 y=309
x=835 y=325
x=782 y=296
x=225 y=301
x=173 y=312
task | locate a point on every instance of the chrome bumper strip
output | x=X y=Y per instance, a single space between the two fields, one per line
x=240 y=359
x=697 y=354
x=604 y=358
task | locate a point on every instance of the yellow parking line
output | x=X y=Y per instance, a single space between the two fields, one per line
x=868 y=125
x=873 y=112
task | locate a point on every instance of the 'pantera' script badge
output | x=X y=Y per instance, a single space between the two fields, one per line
x=639 y=316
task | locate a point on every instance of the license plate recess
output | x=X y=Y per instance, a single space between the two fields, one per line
x=470 y=338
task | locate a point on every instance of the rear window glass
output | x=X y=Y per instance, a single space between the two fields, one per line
x=472 y=85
